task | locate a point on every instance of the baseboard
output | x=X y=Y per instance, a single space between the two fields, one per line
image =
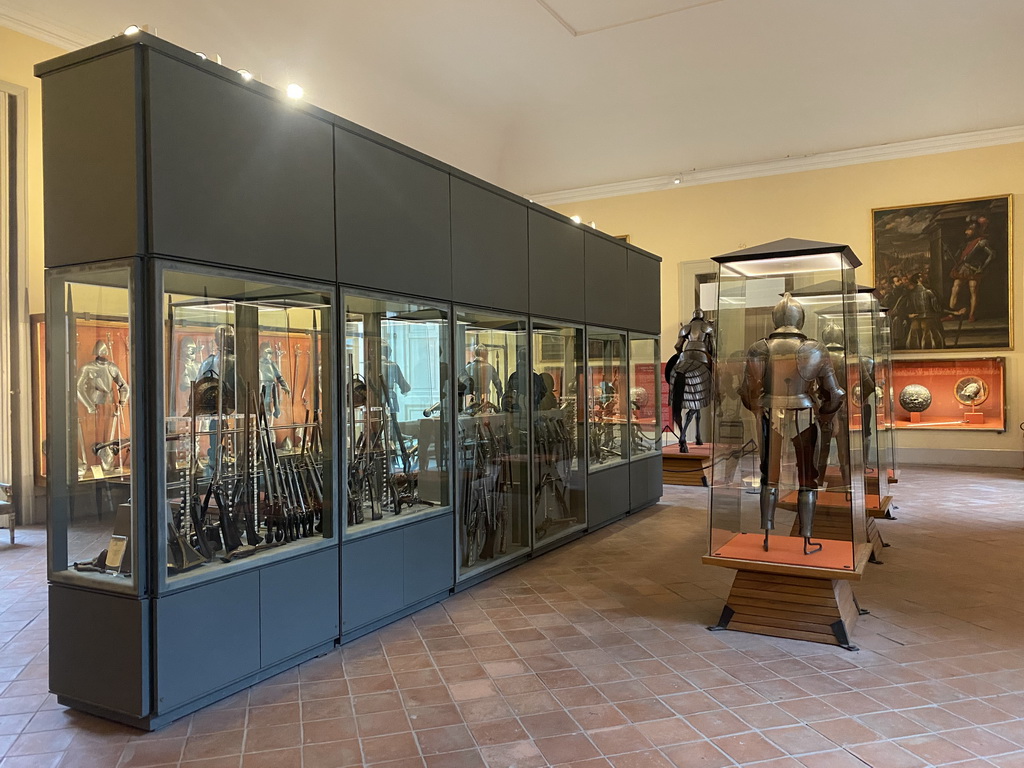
x=961 y=457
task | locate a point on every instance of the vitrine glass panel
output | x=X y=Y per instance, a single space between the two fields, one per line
x=93 y=533
x=607 y=397
x=644 y=396
x=247 y=424
x=492 y=439
x=797 y=374
x=887 y=397
x=398 y=411
x=559 y=430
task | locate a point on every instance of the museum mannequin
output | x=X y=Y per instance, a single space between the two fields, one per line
x=690 y=382
x=518 y=383
x=97 y=380
x=778 y=387
x=272 y=382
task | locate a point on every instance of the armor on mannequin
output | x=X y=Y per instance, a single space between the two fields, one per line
x=789 y=383
x=835 y=342
x=97 y=380
x=272 y=382
x=690 y=380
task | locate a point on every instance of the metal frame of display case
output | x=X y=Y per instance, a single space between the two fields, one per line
x=776 y=579
x=155 y=156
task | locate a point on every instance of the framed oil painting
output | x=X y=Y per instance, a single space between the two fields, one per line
x=944 y=271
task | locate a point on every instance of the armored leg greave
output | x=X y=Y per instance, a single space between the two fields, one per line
x=769 y=499
x=806 y=500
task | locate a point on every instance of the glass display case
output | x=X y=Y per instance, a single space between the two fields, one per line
x=887 y=399
x=607 y=397
x=957 y=394
x=398 y=412
x=644 y=395
x=559 y=429
x=865 y=390
x=797 y=376
x=493 y=376
x=245 y=371
x=91 y=382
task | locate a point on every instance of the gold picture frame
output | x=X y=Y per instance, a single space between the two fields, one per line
x=945 y=273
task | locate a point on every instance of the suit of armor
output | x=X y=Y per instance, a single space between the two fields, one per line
x=97 y=380
x=272 y=382
x=835 y=342
x=779 y=387
x=690 y=382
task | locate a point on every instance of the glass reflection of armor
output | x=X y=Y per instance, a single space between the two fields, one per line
x=272 y=382
x=393 y=377
x=518 y=382
x=778 y=386
x=480 y=376
x=190 y=366
x=97 y=380
x=923 y=317
x=688 y=372
x=834 y=339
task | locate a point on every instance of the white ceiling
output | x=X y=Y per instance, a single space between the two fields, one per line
x=546 y=95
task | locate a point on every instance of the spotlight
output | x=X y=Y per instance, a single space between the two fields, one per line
x=677 y=180
x=134 y=29
x=294 y=91
x=245 y=74
x=201 y=55
x=577 y=219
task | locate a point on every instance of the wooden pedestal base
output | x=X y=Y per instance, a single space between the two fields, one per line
x=685 y=468
x=879 y=507
x=820 y=610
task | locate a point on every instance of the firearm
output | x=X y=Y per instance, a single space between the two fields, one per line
x=195 y=509
x=244 y=500
x=228 y=527
x=271 y=490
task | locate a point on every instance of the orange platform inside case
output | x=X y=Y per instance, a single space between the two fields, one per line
x=787 y=550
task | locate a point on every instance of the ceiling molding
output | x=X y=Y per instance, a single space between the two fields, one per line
x=894 y=151
x=43 y=29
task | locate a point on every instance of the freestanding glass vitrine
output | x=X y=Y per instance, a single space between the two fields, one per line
x=807 y=518
x=608 y=397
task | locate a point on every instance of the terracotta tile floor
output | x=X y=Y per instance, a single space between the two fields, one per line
x=596 y=656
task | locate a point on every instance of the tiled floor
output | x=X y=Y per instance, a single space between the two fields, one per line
x=596 y=655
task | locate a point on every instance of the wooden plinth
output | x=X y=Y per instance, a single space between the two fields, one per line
x=820 y=610
x=685 y=468
x=879 y=507
x=894 y=476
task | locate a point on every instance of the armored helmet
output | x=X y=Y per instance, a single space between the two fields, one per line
x=698 y=314
x=832 y=336
x=788 y=313
x=100 y=349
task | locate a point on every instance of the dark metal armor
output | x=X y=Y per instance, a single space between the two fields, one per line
x=690 y=382
x=835 y=343
x=788 y=376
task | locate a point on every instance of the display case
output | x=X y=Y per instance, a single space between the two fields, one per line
x=607 y=397
x=644 y=396
x=865 y=390
x=398 y=411
x=806 y=520
x=94 y=537
x=957 y=394
x=247 y=470
x=559 y=430
x=887 y=399
x=492 y=447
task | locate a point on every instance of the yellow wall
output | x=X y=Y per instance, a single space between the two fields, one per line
x=696 y=223
x=18 y=54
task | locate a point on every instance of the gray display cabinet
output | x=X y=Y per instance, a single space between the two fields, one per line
x=196 y=223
